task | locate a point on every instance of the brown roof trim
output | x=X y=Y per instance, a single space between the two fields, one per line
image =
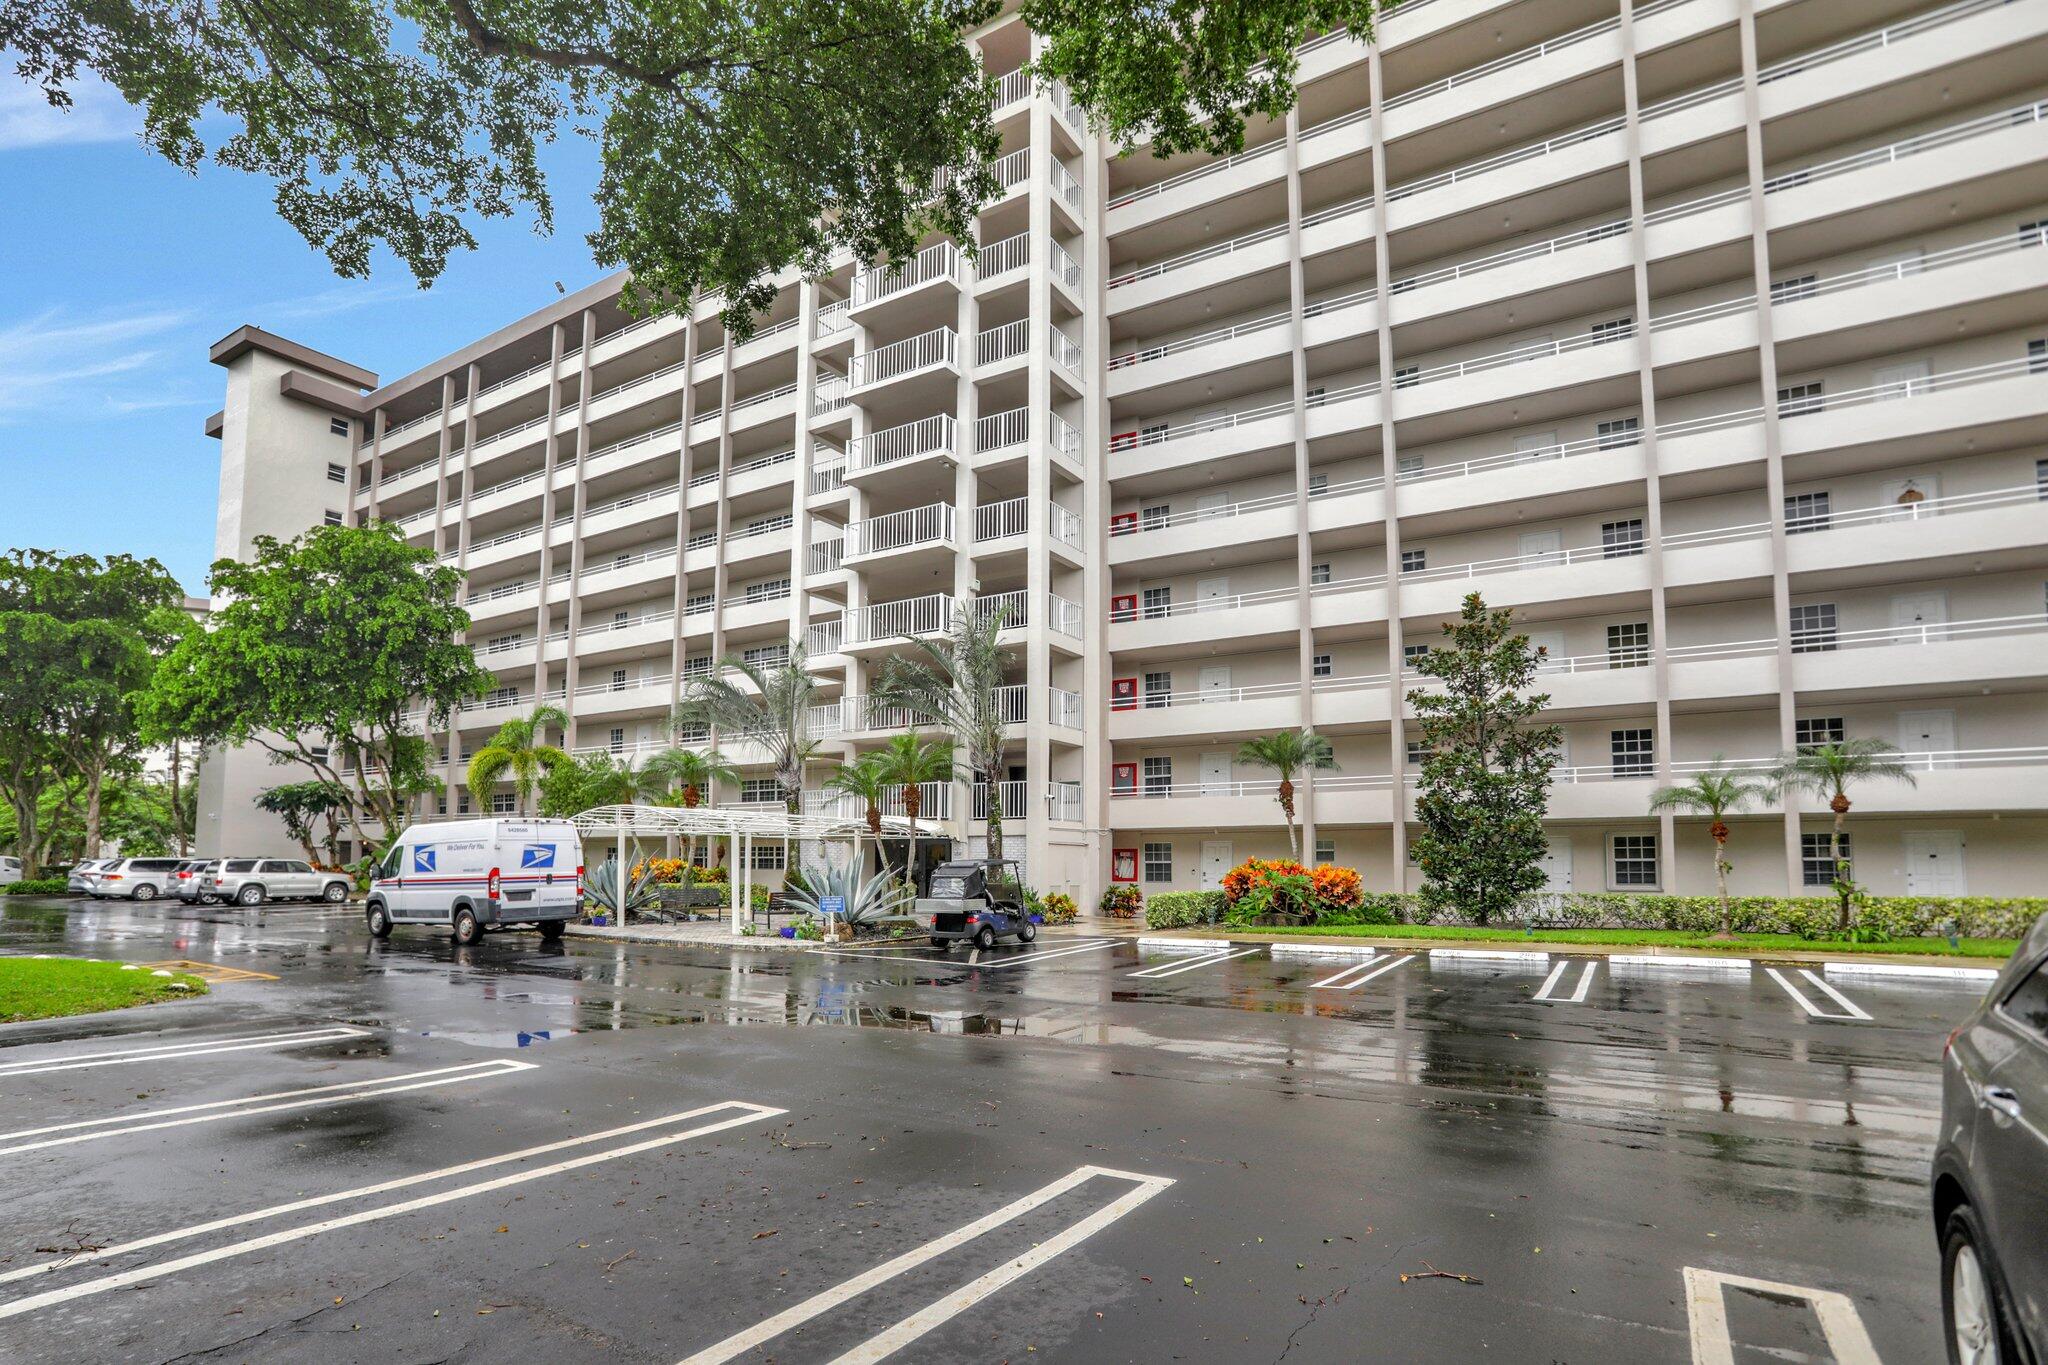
x=246 y=338
x=561 y=310
x=215 y=423
x=313 y=389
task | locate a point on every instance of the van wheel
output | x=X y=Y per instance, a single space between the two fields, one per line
x=251 y=894
x=380 y=921
x=985 y=937
x=145 y=892
x=334 y=893
x=468 y=929
x=551 y=930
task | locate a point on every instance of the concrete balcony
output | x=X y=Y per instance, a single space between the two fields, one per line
x=936 y=269
x=924 y=366
x=601 y=634
x=901 y=535
x=635 y=696
x=610 y=573
x=1244 y=525
x=923 y=450
x=502 y=603
x=1247 y=619
x=1358 y=798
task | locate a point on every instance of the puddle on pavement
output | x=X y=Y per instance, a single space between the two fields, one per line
x=518 y=1038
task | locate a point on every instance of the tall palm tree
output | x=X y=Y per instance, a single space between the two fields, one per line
x=1827 y=771
x=767 y=704
x=520 y=748
x=958 y=684
x=909 y=761
x=1715 y=793
x=864 y=781
x=689 y=774
x=1287 y=753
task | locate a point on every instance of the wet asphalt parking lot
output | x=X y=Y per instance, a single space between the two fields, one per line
x=1081 y=1150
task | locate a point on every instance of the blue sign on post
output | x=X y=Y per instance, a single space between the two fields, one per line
x=832 y=905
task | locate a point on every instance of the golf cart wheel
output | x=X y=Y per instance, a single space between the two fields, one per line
x=251 y=894
x=551 y=930
x=379 y=920
x=468 y=928
x=985 y=937
x=1027 y=933
x=145 y=892
x=944 y=945
x=334 y=893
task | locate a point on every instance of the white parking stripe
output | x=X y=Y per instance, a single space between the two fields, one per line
x=887 y=1343
x=158 y=1239
x=158 y=1270
x=150 y=1120
x=797 y=1314
x=1578 y=996
x=1706 y=1311
x=1844 y=1001
x=1378 y=969
x=1166 y=969
x=171 y=1052
x=1015 y=960
x=1813 y=1010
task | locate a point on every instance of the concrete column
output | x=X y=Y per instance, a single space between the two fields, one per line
x=1304 y=550
x=679 y=648
x=1038 y=490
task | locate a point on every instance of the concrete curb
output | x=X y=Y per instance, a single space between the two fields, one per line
x=1146 y=941
x=1909 y=969
x=1630 y=953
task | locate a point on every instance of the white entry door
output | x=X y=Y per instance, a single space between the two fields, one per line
x=1929 y=732
x=1919 y=616
x=1212 y=505
x=1216 y=861
x=1536 y=445
x=1542 y=546
x=1211 y=593
x=1900 y=381
x=1216 y=772
x=1934 y=863
x=1215 y=683
x=1557 y=863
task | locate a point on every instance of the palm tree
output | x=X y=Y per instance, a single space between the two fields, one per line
x=1715 y=793
x=958 y=684
x=1827 y=770
x=519 y=748
x=864 y=781
x=1287 y=753
x=909 y=761
x=689 y=774
x=775 y=713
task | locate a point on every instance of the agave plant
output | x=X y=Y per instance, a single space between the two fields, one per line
x=879 y=899
x=601 y=889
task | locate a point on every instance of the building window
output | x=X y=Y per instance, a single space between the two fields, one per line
x=1324 y=666
x=759 y=791
x=767 y=656
x=462 y=803
x=1158 y=862
x=1813 y=628
x=1633 y=752
x=1318 y=574
x=1810 y=734
x=1157 y=602
x=1416 y=752
x=1158 y=689
x=1326 y=850
x=1798 y=287
x=2041 y=480
x=1617 y=330
x=502 y=696
x=337 y=473
x=503 y=803
x=698 y=602
x=1628 y=645
x=1152 y=518
x=768 y=590
x=1318 y=484
x=332 y=518
x=1795 y=400
x=2034 y=234
x=1158 y=776
x=1314 y=397
x=1807 y=512
x=1407 y=466
x=1632 y=860
x=338 y=425
x=1817 y=859
x=1620 y=539
x=698 y=733
x=697 y=666
x=767 y=857
x=1414 y=561
x=617 y=740
x=2037 y=356
x=1412 y=655
x=618 y=680
x=1407 y=376
x=1619 y=431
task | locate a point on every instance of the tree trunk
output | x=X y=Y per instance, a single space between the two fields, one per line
x=1287 y=811
x=1721 y=879
x=177 y=800
x=993 y=777
x=95 y=778
x=1840 y=806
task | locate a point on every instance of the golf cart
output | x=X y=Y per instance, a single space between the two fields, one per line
x=976 y=901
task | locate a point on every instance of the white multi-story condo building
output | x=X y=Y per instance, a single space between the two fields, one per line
x=1709 y=335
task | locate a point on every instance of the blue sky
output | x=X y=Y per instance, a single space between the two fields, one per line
x=117 y=271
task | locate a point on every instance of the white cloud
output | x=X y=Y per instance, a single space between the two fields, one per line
x=97 y=114
x=56 y=362
x=342 y=298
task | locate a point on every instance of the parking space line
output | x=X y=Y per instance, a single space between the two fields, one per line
x=151 y=1120
x=1578 y=996
x=917 y=1324
x=1706 y=1312
x=1822 y=983
x=1813 y=1010
x=1166 y=969
x=1338 y=982
x=171 y=1052
x=157 y=1270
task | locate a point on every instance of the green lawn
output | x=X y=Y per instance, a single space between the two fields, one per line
x=1661 y=938
x=51 y=987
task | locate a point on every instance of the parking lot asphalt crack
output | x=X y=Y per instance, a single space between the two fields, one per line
x=287 y=1324
x=1327 y=1300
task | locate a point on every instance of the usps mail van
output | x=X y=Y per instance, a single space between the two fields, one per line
x=473 y=875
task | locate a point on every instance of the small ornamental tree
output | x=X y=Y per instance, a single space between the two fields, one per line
x=1828 y=771
x=1486 y=776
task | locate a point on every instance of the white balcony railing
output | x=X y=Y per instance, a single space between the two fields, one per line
x=910 y=616
x=937 y=435
x=1002 y=430
x=825 y=555
x=835 y=317
x=998 y=520
x=940 y=346
x=1002 y=342
x=1065 y=438
x=940 y=261
x=1064 y=350
x=931 y=524
x=828 y=393
x=1000 y=258
x=1064 y=186
x=823 y=637
x=828 y=477
x=1063 y=800
x=1065 y=268
x=1014 y=795
x=1064 y=707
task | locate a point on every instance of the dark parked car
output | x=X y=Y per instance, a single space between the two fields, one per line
x=1991 y=1169
x=977 y=901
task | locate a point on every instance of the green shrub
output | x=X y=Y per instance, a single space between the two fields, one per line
x=1058 y=908
x=37 y=886
x=1183 y=909
x=1122 y=901
x=1374 y=907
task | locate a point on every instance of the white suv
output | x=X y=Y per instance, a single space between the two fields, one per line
x=136 y=879
x=252 y=881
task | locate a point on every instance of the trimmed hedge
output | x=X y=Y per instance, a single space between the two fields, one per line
x=37 y=886
x=1807 y=916
x=1183 y=909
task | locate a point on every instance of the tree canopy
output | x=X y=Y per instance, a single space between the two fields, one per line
x=738 y=138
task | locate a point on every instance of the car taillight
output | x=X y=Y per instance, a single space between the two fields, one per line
x=491 y=888
x=974 y=919
x=579 y=881
x=112 y=876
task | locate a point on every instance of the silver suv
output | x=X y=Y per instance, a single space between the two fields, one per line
x=252 y=881
x=136 y=879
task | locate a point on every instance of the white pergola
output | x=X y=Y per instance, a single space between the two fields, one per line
x=742 y=826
